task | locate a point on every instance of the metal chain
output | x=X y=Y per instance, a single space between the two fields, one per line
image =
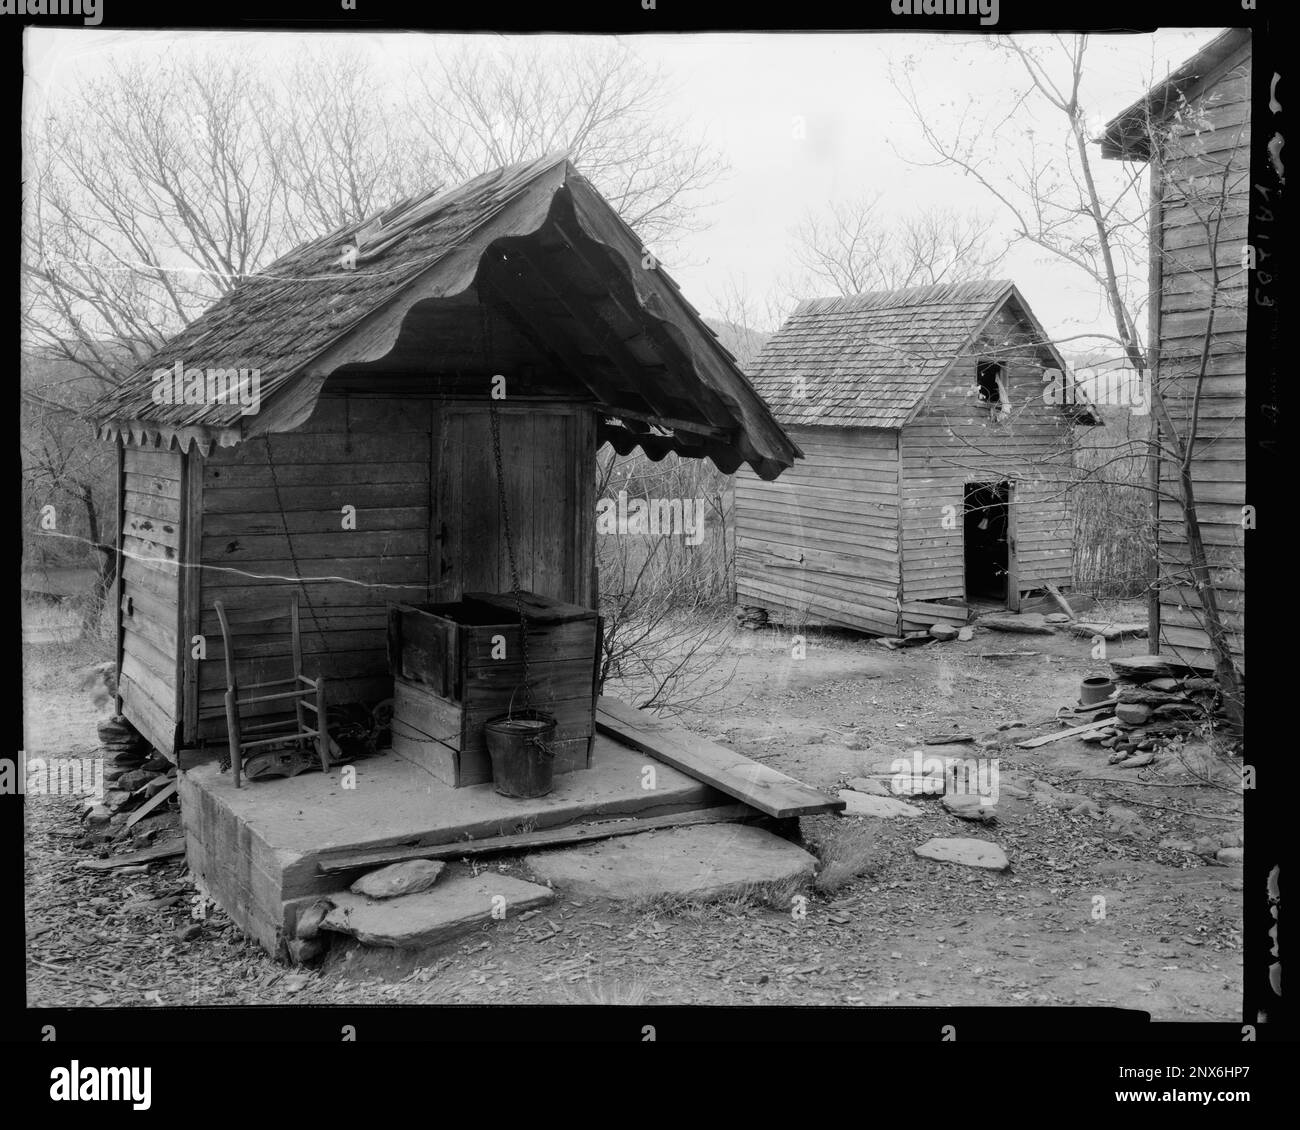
x=494 y=422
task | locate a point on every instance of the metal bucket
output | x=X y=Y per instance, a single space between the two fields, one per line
x=1094 y=689
x=523 y=763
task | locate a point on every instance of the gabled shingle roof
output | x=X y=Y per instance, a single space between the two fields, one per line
x=277 y=320
x=303 y=317
x=868 y=360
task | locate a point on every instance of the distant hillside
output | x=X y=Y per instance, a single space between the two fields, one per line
x=743 y=343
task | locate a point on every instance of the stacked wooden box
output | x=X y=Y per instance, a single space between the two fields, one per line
x=456 y=666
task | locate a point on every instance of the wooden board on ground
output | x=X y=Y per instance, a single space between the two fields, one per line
x=1073 y=731
x=149 y=805
x=573 y=834
x=1110 y=632
x=145 y=855
x=727 y=771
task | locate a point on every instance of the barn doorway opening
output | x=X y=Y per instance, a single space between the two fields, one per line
x=986 y=524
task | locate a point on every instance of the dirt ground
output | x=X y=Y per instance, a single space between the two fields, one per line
x=905 y=931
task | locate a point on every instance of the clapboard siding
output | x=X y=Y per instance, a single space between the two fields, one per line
x=820 y=544
x=954 y=440
x=1200 y=223
x=150 y=592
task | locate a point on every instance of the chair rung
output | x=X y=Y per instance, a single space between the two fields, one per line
x=280 y=723
x=288 y=736
x=291 y=735
x=272 y=697
x=271 y=683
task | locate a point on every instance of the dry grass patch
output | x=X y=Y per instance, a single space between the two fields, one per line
x=846 y=850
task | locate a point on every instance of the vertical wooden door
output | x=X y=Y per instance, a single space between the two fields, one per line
x=547 y=474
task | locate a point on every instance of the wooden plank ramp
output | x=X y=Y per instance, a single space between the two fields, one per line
x=727 y=771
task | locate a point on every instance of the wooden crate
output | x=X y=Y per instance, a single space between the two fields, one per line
x=457 y=666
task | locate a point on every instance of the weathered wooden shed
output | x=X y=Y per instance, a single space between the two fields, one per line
x=364 y=473
x=1193 y=130
x=937 y=459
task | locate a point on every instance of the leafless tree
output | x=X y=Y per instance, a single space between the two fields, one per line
x=744 y=321
x=147 y=205
x=337 y=152
x=1053 y=195
x=662 y=600
x=479 y=108
x=853 y=246
x=156 y=187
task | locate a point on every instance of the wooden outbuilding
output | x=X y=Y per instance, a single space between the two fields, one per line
x=1193 y=131
x=325 y=428
x=937 y=428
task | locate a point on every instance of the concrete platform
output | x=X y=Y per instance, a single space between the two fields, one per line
x=257 y=848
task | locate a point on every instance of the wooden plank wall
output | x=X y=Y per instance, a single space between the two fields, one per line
x=369 y=453
x=954 y=440
x=421 y=477
x=149 y=597
x=820 y=544
x=1184 y=285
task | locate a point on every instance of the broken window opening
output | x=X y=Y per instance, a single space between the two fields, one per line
x=988 y=376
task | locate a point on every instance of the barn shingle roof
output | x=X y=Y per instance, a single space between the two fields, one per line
x=869 y=360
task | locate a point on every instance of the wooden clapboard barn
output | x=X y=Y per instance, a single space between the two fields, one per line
x=365 y=476
x=1194 y=132
x=934 y=482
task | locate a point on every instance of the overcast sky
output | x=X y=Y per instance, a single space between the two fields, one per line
x=743 y=93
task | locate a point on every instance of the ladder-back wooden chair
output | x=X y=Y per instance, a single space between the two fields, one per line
x=307 y=696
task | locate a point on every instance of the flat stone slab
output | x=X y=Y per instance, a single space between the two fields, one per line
x=863 y=804
x=1143 y=667
x=970 y=853
x=706 y=862
x=869 y=785
x=459 y=903
x=968 y=806
x=902 y=785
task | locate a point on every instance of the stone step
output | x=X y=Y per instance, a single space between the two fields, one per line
x=460 y=902
x=710 y=861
